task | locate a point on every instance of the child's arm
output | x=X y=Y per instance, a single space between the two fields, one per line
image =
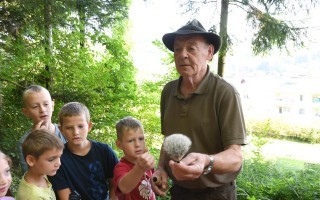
x=22 y=161
x=129 y=181
x=64 y=194
x=112 y=194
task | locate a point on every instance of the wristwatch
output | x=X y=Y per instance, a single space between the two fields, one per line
x=208 y=169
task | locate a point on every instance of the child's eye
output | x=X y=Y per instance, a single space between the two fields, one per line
x=8 y=172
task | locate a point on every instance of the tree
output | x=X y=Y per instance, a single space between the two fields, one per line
x=78 y=58
x=267 y=18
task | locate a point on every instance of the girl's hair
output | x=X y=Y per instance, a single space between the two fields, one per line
x=6 y=157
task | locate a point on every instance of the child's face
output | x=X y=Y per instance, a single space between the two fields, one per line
x=38 y=107
x=47 y=163
x=5 y=177
x=75 y=129
x=132 y=144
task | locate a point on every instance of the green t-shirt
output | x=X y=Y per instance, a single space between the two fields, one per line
x=29 y=191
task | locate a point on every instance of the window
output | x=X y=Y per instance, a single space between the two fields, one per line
x=316 y=98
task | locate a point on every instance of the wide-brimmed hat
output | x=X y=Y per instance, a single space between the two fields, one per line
x=192 y=27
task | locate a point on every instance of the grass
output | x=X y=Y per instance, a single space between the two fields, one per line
x=275 y=169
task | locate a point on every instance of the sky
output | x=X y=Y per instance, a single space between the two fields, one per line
x=152 y=19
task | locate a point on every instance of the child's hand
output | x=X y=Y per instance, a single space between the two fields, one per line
x=42 y=125
x=160 y=182
x=146 y=161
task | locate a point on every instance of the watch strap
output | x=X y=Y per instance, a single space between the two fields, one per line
x=208 y=169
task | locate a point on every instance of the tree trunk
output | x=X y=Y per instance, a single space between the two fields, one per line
x=224 y=36
x=48 y=41
x=82 y=17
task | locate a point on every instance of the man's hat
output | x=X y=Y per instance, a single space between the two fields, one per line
x=192 y=27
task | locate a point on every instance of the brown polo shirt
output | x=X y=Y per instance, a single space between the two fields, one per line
x=212 y=118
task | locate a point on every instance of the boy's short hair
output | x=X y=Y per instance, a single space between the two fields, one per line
x=126 y=124
x=39 y=141
x=73 y=109
x=33 y=89
x=6 y=157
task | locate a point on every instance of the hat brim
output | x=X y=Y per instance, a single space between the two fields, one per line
x=215 y=40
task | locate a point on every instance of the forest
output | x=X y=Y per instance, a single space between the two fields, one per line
x=80 y=51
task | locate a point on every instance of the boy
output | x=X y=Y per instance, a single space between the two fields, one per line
x=86 y=165
x=42 y=152
x=38 y=106
x=133 y=173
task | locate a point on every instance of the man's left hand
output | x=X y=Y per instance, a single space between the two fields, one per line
x=190 y=167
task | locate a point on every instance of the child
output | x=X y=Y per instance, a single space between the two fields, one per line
x=133 y=173
x=86 y=165
x=42 y=152
x=5 y=177
x=38 y=106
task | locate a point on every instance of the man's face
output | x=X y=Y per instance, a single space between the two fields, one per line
x=191 y=53
x=38 y=107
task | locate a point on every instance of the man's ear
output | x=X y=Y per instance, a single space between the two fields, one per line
x=30 y=160
x=118 y=143
x=210 y=52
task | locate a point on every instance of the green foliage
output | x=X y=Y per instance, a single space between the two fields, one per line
x=273 y=32
x=262 y=179
x=99 y=73
x=279 y=129
x=271 y=26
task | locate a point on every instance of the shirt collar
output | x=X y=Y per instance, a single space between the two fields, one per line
x=202 y=88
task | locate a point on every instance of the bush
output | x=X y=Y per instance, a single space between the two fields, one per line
x=279 y=129
x=263 y=179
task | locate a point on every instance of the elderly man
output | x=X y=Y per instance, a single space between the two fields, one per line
x=207 y=109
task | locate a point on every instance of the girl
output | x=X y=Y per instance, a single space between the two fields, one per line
x=5 y=177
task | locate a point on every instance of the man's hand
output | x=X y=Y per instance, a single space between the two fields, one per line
x=159 y=182
x=190 y=167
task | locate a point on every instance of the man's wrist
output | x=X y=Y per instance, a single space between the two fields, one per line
x=209 y=168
